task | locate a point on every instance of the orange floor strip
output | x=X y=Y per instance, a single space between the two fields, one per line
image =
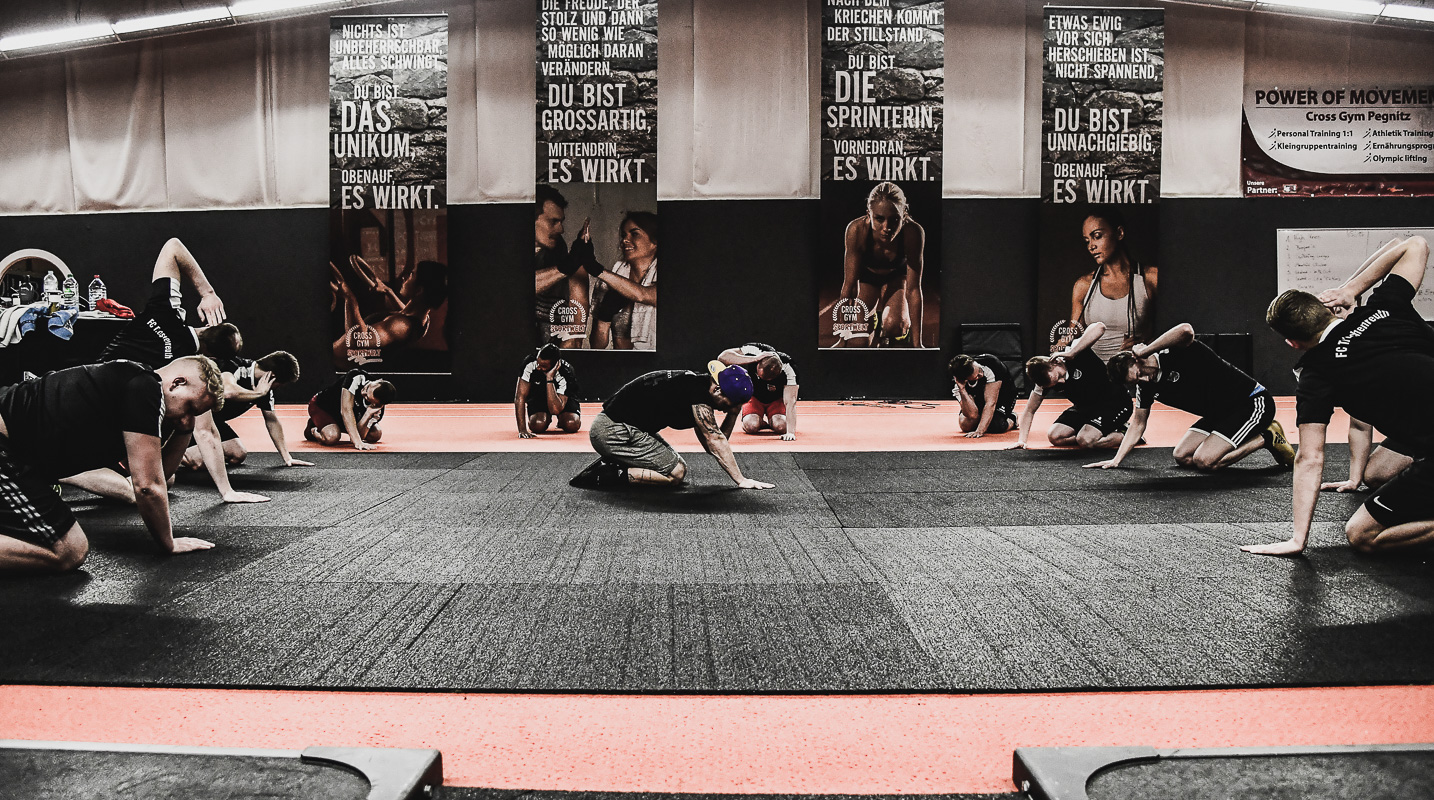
x=852 y=744
x=821 y=426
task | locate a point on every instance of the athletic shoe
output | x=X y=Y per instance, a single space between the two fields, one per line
x=600 y=475
x=1278 y=445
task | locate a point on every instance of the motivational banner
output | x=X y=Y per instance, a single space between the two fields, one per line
x=883 y=81
x=388 y=177
x=1102 y=104
x=1311 y=141
x=595 y=229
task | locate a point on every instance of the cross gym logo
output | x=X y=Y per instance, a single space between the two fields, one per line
x=1065 y=332
x=567 y=320
x=851 y=318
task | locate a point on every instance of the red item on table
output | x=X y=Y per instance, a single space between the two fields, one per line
x=111 y=307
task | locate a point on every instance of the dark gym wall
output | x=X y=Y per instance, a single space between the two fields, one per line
x=734 y=271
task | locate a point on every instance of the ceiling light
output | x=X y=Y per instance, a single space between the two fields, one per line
x=252 y=7
x=1398 y=11
x=1363 y=7
x=78 y=33
x=171 y=20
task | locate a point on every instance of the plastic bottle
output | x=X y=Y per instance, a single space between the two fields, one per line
x=52 y=287
x=70 y=293
x=97 y=292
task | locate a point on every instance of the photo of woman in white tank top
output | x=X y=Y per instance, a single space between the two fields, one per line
x=1120 y=292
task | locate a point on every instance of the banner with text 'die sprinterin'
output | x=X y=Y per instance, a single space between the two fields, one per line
x=1102 y=104
x=595 y=226
x=883 y=82
x=388 y=177
x=1314 y=140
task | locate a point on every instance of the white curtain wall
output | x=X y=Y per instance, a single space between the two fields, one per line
x=238 y=118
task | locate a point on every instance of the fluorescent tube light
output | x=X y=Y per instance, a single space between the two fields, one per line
x=77 y=33
x=1363 y=7
x=171 y=20
x=252 y=7
x=1399 y=11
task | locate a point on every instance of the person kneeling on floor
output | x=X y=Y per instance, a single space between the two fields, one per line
x=248 y=384
x=88 y=417
x=774 y=389
x=987 y=394
x=1099 y=408
x=625 y=433
x=353 y=406
x=544 y=393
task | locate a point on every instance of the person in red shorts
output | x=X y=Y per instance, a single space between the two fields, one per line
x=774 y=382
x=354 y=406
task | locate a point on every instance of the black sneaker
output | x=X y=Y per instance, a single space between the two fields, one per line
x=600 y=475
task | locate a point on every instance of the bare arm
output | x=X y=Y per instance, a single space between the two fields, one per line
x=1078 y=293
x=715 y=442
x=351 y=427
x=1028 y=415
x=851 y=260
x=206 y=436
x=1361 y=440
x=733 y=356
x=151 y=492
x=173 y=452
x=1179 y=336
x=1088 y=338
x=275 y=427
x=789 y=399
x=520 y=409
x=630 y=289
x=233 y=391
x=1309 y=468
x=548 y=278
x=175 y=261
x=1133 y=432
x=1407 y=259
x=915 y=267
x=992 y=393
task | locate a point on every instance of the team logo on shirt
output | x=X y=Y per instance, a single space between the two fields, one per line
x=1173 y=377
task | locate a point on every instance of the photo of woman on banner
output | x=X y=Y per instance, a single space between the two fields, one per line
x=1118 y=289
x=382 y=324
x=625 y=294
x=882 y=301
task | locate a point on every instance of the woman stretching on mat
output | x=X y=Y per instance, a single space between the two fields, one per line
x=882 y=270
x=625 y=305
x=1120 y=293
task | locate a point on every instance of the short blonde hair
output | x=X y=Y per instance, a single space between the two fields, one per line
x=209 y=373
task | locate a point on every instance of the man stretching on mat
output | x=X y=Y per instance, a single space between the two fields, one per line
x=774 y=388
x=84 y=418
x=249 y=384
x=987 y=394
x=543 y=394
x=1377 y=364
x=354 y=405
x=1237 y=414
x=1099 y=409
x=625 y=433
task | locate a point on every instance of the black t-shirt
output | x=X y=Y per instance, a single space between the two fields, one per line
x=1194 y=379
x=74 y=420
x=243 y=371
x=565 y=384
x=328 y=399
x=990 y=368
x=545 y=258
x=769 y=391
x=1378 y=365
x=1088 y=385
x=661 y=399
x=158 y=334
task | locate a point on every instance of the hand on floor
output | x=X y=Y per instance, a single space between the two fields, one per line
x=244 y=497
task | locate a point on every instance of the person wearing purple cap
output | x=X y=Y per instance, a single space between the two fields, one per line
x=626 y=435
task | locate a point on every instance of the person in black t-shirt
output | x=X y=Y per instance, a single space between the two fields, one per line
x=1099 y=408
x=1237 y=414
x=1378 y=365
x=626 y=432
x=544 y=393
x=354 y=406
x=774 y=388
x=249 y=384
x=987 y=394
x=75 y=420
x=558 y=275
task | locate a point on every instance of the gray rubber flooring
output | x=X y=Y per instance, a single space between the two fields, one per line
x=881 y=572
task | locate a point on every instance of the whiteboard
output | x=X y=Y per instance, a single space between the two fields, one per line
x=1316 y=259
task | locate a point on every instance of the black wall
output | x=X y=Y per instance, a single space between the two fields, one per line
x=733 y=271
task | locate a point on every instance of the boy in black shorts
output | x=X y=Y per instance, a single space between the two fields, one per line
x=544 y=393
x=1237 y=414
x=987 y=394
x=249 y=384
x=354 y=405
x=1377 y=364
x=83 y=418
x=1099 y=409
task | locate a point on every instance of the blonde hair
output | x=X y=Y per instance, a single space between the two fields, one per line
x=209 y=373
x=891 y=193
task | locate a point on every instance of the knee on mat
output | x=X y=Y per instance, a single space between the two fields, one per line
x=373 y=436
x=968 y=424
x=752 y=423
x=1086 y=440
x=1362 y=536
x=570 y=423
x=328 y=436
x=1204 y=463
x=779 y=424
x=679 y=472
x=233 y=459
x=539 y=422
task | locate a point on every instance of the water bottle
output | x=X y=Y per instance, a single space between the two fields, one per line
x=52 y=287
x=97 y=293
x=70 y=293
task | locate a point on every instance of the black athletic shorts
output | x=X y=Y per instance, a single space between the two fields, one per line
x=1108 y=421
x=1003 y=420
x=1241 y=421
x=226 y=433
x=1402 y=448
x=1408 y=497
x=572 y=407
x=30 y=509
